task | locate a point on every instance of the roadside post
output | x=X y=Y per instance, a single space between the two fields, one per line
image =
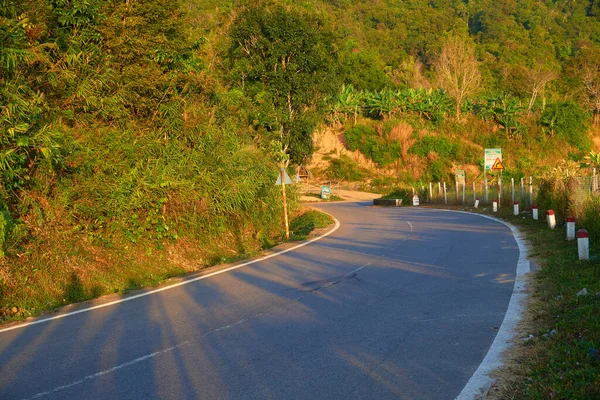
x=583 y=244
x=551 y=217
x=415 y=200
x=476 y=203
x=516 y=208
x=570 y=228
x=534 y=212
x=495 y=205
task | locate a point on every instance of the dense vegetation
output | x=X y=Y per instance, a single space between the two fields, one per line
x=148 y=132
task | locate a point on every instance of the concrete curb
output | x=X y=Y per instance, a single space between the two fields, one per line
x=481 y=381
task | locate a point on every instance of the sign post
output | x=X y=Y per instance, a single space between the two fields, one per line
x=495 y=165
x=283 y=180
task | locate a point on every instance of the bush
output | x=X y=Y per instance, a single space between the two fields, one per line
x=378 y=148
x=344 y=168
x=440 y=145
x=567 y=121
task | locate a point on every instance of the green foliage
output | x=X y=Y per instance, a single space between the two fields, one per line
x=303 y=225
x=503 y=110
x=344 y=168
x=567 y=121
x=378 y=147
x=438 y=144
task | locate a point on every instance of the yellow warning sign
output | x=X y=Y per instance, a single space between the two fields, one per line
x=498 y=166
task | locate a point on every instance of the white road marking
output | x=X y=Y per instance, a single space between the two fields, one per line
x=481 y=380
x=112 y=303
x=378 y=257
x=107 y=371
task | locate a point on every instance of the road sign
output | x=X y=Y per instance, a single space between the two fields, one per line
x=288 y=181
x=498 y=166
x=460 y=176
x=415 y=200
x=490 y=157
x=325 y=192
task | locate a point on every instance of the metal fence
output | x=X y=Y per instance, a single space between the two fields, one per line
x=522 y=190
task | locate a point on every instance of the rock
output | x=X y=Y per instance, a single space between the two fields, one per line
x=582 y=292
x=528 y=338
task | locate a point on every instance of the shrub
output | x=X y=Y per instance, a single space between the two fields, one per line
x=344 y=168
x=440 y=145
x=379 y=148
x=568 y=121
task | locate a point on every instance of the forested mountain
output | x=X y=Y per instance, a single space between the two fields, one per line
x=148 y=133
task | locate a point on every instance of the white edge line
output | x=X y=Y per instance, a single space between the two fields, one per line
x=481 y=380
x=162 y=289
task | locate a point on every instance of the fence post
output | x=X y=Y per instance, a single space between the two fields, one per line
x=445 y=194
x=485 y=187
x=456 y=192
x=522 y=190
x=530 y=189
x=512 y=189
x=430 y=191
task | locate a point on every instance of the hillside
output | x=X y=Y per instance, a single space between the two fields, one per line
x=141 y=139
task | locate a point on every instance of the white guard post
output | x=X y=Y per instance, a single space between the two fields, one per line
x=476 y=203
x=583 y=244
x=535 y=212
x=516 y=208
x=570 y=228
x=495 y=205
x=551 y=219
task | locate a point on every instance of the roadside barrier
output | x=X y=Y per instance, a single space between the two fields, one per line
x=535 y=213
x=516 y=208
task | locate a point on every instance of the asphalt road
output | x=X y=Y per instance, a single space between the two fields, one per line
x=398 y=303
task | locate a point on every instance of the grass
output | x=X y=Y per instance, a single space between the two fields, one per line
x=560 y=360
x=52 y=273
x=303 y=225
x=332 y=197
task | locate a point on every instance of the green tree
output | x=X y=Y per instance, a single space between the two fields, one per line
x=284 y=61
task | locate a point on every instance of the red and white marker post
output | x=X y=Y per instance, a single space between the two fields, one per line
x=495 y=206
x=535 y=212
x=516 y=208
x=551 y=219
x=570 y=228
x=583 y=244
x=476 y=203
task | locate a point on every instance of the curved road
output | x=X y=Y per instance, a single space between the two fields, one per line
x=398 y=303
